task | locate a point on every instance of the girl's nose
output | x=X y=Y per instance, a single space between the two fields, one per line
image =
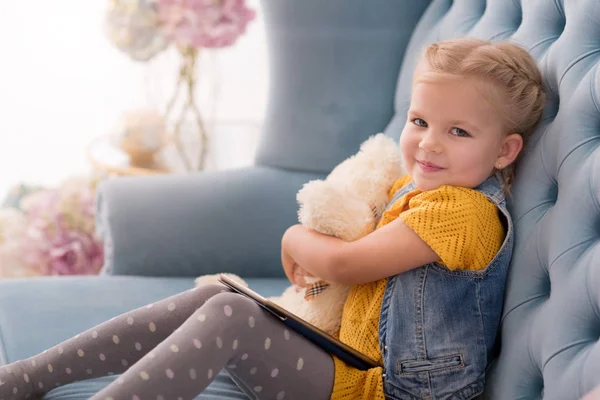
x=430 y=142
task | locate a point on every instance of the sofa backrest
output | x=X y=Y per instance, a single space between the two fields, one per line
x=551 y=319
x=333 y=67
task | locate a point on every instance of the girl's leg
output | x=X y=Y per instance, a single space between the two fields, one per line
x=106 y=349
x=230 y=331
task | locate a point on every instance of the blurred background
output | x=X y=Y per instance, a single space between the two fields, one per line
x=101 y=89
x=64 y=84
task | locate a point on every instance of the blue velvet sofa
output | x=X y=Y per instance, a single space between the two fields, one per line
x=341 y=71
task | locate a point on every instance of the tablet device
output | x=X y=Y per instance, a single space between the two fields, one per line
x=322 y=339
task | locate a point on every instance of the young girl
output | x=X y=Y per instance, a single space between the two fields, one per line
x=427 y=285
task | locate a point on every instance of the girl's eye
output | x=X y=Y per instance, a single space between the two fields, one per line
x=419 y=122
x=459 y=132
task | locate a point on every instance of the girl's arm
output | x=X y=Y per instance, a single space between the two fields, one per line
x=388 y=251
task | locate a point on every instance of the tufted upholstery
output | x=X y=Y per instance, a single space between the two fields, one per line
x=551 y=319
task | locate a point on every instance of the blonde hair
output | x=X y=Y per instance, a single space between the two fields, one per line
x=515 y=87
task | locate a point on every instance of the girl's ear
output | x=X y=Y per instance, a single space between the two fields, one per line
x=511 y=147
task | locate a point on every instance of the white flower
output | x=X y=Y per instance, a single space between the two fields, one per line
x=132 y=26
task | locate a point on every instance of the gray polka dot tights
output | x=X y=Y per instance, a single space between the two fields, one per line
x=173 y=349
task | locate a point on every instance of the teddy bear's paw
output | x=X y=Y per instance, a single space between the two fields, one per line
x=323 y=310
x=214 y=280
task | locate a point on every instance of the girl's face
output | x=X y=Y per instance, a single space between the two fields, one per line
x=453 y=136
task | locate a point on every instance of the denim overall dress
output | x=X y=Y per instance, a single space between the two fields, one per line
x=437 y=327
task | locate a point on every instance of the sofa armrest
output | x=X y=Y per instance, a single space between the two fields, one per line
x=196 y=224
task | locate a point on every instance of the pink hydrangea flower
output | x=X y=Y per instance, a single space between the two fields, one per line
x=60 y=238
x=57 y=250
x=204 y=23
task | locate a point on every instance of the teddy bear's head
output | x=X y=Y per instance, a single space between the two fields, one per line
x=350 y=201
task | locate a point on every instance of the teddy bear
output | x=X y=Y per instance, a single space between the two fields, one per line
x=347 y=204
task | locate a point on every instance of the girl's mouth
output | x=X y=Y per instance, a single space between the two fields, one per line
x=429 y=166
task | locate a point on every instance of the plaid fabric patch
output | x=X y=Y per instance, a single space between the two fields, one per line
x=313 y=290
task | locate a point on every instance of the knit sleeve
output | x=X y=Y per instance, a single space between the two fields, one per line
x=461 y=225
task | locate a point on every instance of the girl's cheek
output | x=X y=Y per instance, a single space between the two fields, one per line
x=407 y=138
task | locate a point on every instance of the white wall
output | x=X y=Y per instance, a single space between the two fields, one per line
x=62 y=83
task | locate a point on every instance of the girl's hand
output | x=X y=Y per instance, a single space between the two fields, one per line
x=299 y=274
x=293 y=271
x=289 y=265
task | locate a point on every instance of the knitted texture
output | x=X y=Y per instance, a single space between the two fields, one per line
x=464 y=229
x=461 y=225
x=359 y=329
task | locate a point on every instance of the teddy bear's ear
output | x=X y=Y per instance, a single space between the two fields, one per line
x=380 y=144
x=378 y=154
x=385 y=156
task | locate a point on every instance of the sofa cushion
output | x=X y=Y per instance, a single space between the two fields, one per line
x=55 y=309
x=222 y=388
x=180 y=225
